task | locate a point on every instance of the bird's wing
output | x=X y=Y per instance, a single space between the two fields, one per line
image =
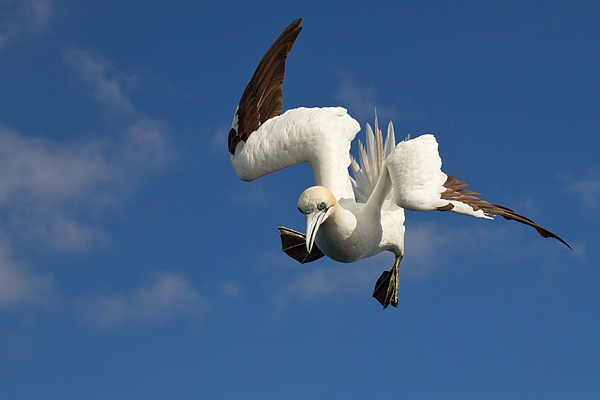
x=262 y=140
x=262 y=98
x=415 y=169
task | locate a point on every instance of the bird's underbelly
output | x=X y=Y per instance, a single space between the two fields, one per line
x=360 y=237
x=349 y=247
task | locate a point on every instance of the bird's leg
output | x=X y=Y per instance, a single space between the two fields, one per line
x=387 y=286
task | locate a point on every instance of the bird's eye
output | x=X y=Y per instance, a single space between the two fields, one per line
x=321 y=206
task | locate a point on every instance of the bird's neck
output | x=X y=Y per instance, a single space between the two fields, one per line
x=380 y=192
x=334 y=177
x=339 y=222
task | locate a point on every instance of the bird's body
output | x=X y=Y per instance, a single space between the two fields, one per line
x=322 y=137
x=348 y=219
x=354 y=231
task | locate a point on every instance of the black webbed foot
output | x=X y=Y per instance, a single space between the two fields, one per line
x=293 y=243
x=386 y=287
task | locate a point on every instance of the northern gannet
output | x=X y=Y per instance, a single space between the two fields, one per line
x=346 y=219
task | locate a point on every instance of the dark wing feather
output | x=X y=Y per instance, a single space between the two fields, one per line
x=293 y=243
x=455 y=190
x=262 y=98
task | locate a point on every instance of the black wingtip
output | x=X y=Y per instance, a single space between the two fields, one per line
x=262 y=97
x=547 y=234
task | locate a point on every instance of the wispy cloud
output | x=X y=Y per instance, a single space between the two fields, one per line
x=361 y=101
x=20 y=18
x=51 y=197
x=34 y=168
x=53 y=194
x=44 y=187
x=104 y=79
x=426 y=248
x=145 y=138
x=146 y=144
x=219 y=139
x=254 y=194
x=587 y=190
x=232 y=289
x=165 y=297
x=429 y=248
x=334 y=280
x=19 y=284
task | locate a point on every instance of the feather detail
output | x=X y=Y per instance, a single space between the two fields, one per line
x=372 y=159
x=263 y=97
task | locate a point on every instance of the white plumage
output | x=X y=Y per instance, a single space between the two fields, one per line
x=415 y=168
x=348 y=219
x=319 y=136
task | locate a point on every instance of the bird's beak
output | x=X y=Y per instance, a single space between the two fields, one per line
x=313 y=221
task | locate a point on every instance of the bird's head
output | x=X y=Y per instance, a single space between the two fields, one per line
x=316 y=204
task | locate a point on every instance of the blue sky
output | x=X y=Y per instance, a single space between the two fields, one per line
x=135 y=265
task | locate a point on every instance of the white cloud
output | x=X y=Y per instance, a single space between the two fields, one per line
x=219 y=139
x=462 y=245
x=45 y=186
x=429 y=247
x=106 y=81
x=18 y=283
x=232 y=289
x=361 y=100
x=146 y=145
x=145 y=142
x=588 y=191
x=53 y=194
x=254 y=194
x=332 y=280
x=40 y=168
x=168 y=296
x=20 y=18
x=426 y=246
x=53 y=191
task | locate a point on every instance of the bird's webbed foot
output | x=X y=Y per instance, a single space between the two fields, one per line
x=387 y=286
x=293 y=243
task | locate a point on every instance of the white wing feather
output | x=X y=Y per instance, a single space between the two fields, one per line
x=319 y=136
x=415 y=169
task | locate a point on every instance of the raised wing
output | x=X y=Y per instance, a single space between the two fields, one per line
x=262 y=98
x=262 y=141
x=418 y=182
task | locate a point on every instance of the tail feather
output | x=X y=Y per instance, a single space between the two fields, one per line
x=371 y=158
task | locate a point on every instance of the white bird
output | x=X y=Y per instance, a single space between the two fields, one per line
x=346 y=219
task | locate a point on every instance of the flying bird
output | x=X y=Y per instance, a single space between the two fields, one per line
x=347 y=218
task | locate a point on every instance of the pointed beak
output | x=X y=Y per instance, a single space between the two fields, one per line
x=313 y=222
